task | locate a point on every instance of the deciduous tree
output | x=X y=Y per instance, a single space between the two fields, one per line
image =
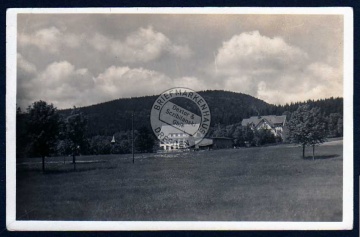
x=239 y=136
x=248 y=134
x=263 y=136
x=307 y=127
x=75 y=128
x=43 y=128
x=144 y=141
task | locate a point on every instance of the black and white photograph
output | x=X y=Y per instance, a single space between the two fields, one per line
x=172 y=118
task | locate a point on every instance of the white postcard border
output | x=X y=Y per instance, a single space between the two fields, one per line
x=11 y=55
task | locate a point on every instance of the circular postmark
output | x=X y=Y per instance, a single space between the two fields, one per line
x=180 y=118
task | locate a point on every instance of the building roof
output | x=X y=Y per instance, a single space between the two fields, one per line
x=205 y=142
x=271 y=119
x=188 y=128
x=222 y=138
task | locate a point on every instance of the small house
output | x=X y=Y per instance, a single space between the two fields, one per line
x=273 y=123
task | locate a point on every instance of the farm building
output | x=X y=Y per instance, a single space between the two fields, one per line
x=205 y=144
x=178 y=139
x=215 y=143
x=274 y=123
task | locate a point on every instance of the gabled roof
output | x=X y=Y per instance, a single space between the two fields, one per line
x=270 y=119
x=265 y=121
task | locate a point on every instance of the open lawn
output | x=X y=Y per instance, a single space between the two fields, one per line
x=248 y=184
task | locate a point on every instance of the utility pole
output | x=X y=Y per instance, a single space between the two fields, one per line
x=132 y=125
x=112 y=144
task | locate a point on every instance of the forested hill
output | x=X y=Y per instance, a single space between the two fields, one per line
x=226 y=108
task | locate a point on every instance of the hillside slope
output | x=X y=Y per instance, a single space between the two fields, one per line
x=226 y=108
x=113 y=116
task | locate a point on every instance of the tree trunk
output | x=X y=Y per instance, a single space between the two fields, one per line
x=43 y=164
x=303 y=150
x=313 y=152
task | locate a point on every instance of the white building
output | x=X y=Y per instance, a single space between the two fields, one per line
x=177 y=139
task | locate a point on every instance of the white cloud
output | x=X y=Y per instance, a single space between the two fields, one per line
x=273 y=70
x=190 y=82
x=254 y=53
x=59 y=73
x=181 y=51
x=62 y=84
x=276 y=69
x=143 y=45
x=49 y=39
x=25 y=72
x=24 y=65
x=241 y=83
x=59 y=83
x=122 y=82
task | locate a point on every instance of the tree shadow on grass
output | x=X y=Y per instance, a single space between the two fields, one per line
x=322 y=157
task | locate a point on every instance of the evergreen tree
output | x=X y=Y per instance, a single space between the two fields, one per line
x=219 y=131
x=335 y=119
x=230 y=130
x=340 y=125
x=288 y=115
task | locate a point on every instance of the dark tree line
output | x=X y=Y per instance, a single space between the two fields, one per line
x=308 y=125
x=227 y=108
x=42 y=131
x=101 y=145
x=115 y=116
x=245 y=135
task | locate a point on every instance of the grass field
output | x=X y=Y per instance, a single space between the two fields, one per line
x=248 y=184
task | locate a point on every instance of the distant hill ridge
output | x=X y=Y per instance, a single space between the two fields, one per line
x=226 y=108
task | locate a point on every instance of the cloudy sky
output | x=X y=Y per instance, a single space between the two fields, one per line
x=84 y=59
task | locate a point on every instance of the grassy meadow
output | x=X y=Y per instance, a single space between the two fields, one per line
x=248 y=184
